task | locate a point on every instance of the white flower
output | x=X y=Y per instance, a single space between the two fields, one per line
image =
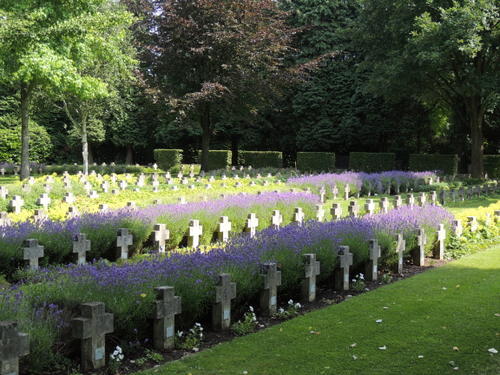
x=120 y=357
x=420 y=356
x=250 y=308
x=378 y=321
x=493 y=351
x=180 y=333
x=115 y=353
x=197 y=324
x=382 y=347
x=281 y=311
x=361 y=276
x=353 y=280
x=119 y=349
x=290 y=302
x=298 y=306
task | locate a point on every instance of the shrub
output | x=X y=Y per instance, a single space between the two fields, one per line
x=217 y=159
x=315 y=161
x=371 y=161
x=103 y=169
x=168 y=158
x=261 y=159
x=447 y=163
x=492 y=165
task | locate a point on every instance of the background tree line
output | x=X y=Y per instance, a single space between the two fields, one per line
x=116 y=79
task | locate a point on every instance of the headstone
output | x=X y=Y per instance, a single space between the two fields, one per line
x=312 y=270
x=336 y=211
x=161 y=236
x=225 y=291
x=353 y=209
x=103 y=207
x=13 y=344
x=182 y=200
x=44 y=201
x=370 y=207
x=122 y=185
x=472 y=223
x=497 y=216
x=456 y=226
x=320 y=213
x=72 y=212
x=132 y=205
x=39 y=215
x=80 y=247
x=346 y=191
x=442 y=197
x=441 y=237
x=434 y=198
x=398 y=202
x=194 y=233
x=335 y=191
x=298 y=216
x=322 y=193
x=3 y=192
x=375 y=254
x=419 y=252
x=276 y=219
x=47 y=188
x=342 y=271
x=410 y=200
x=68 y=198
x=384 y=205
x=224 y=229
x=400 y=250
x=252 y=224
x=4 y=219
x=454 y=195
x=268 y=295
x=91 y=328
x=123 y=240
x=32 y=252
x=167 y=306
x=93 y=194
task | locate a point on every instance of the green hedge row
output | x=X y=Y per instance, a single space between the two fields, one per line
x=168 y=158
x=315 y=161
x=447 y=163
x=217 y=159
x=492 y=165
x=261 y=159
x=108 y=169
x=372 y=161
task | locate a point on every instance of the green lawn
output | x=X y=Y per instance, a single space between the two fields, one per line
x=446 y=314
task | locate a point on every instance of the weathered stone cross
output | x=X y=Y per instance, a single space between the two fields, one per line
x=167 y=305
x=342 y=272
x=268 y=295
x=434 y=198
x=4 y=219
x=252 y=224
x=472 y=223
x=44 y=201
x=441 y=237
x=123 y=240
x=225 y=291
x=384 y=205
x=336 y=211
x=419 y=254
x=69 y=198
x=398 y=202
x=375 y=253
x=195 y=231
x=80 y=247
x=335 y=191
x=162 y=234
x=13 y=344
x=346 y=191
x=400 y=250
x=370 y=207
x=91 y=329
x=353 y=209
x=3 y=192
x=320 y=213
x=32 y=252
x=224 y=229
x=410 y=200
x=457 y=227
x=276 y=219
x=422 y=198
x=298 y=216
x=312 y=269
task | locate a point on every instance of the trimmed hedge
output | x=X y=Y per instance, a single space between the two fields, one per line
x=261 y=159
x=492 y=165
x=168 y=158
x=217 y=159
x=447 y=163
x=315 y=161
x=372 y=161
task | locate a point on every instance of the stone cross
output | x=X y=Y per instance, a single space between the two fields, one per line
x=434 y=198
x=122 y=184
x=370 y=207
x=312 y=270
x=419 y=253
x=132 y=205
x=320 y=213
x=442 y=197
x=268 y=295
x=2 y=171
x=105 y=186
x=353 y=209
x=252 y=224
x=384 y=205
x=346 y=191
x=26 y=188
x=400 y=250
x=457 y=227
x=123 y=240
x=322 y=193
x=13 y=344
x=472 y=223
x=32 y=252
x=72 y=212
x=336 y=211
x=161 y=235
x=375 y=254
x=44 y=201
x=441 y=237
x=4 y=219
x=454 y=195
x=3 y=192
x=182 y=200
x=496 y=216
x=69 y=198
x=342 y=271
x=103 y=207
x=167 y=305
x=93 y=194
x=39 y=215
x=335 y=191
x=410 y=200
x=47 y=188
x=80 y=247
x=398 y=202
x=195 y=232
x=298 y=216
x=224 y=229
x=91 y=328
x=276 y=219
x=225 y=291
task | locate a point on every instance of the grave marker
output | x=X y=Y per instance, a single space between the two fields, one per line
x=103 y=207
x=384 y=205
x=167 y=305
x=13 y=344
x=32 y=252
x=434 y=198
x=441 y=237
x=123 y=240
x=398 y=202
x=268 y=296
x=342 y=271
x=335 y=191
x=370 y=207
x=44 y=201
x=225 y=291
x=39 y=215
x=276 y=219
x=419 y=253
x=346 y=191
x=422 y=199
x=68 y=198
x=252 y=224
x=298 y=216
x=224 y=229
x=472 y=223
x=410 y=200
x=194 y=233
x=400 y=250
x=80 y=247
x=161 y=236
x=4 y=219
x=311 y=271
x=336 y=211
x=375 y=254
x=320 y=213
x=457 y=228
x=3 y=192
x=353 y=209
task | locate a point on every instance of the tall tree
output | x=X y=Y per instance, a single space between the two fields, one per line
x=441 y=51
x=42 y=43
x=211 y=54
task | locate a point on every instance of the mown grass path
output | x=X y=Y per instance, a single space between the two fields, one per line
x=447 y=314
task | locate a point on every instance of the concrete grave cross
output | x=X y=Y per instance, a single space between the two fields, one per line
x=410 y=200
x=81 y=245
x=105 y=186
x=398 y=202
x=32 y=252
x=422 y=199
x=322 y=193
x=39 y=215
x=93 y=194
x=91 y=328
x=47 y=188
x=346 y=191
x=336 y=211
x=276 y=219
x=179 y=175
x=103 y=207
x=311 y=271
x=122 y=184
x=342 y=272
x=224 y=229
x=182 y=200
x=457 y=227
x=2 y=171
x=400 y=250
x=13 y=344
x=167 y=306
x=335 y=191
x=370 y=207
x=454 y=195
x=194 y=233
x=123 y=240
x=132 y=205
x=384 y=205
x=44 y=201
x=441 y=237
x=72 y=212
x=4 y=219
x=375 y=254
x=184 y=181
x=87 y=186
x=419 y=253
x=161 y=236
x=496 y=216
x=252 y=224
x=225 y=291
x=69 y=198
x=298 y=216
x=472 y=223
x=26 y=188
x=353 y=209
x=3 y=192
x=434 y=198
x=269 y=294
x=320 y=213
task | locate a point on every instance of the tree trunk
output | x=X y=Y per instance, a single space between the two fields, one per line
x=235 y=142
x=475 y=117
x=26 y=91
x=205 y=136
x=129 y=159
x=91 y=154
x=85 y=147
